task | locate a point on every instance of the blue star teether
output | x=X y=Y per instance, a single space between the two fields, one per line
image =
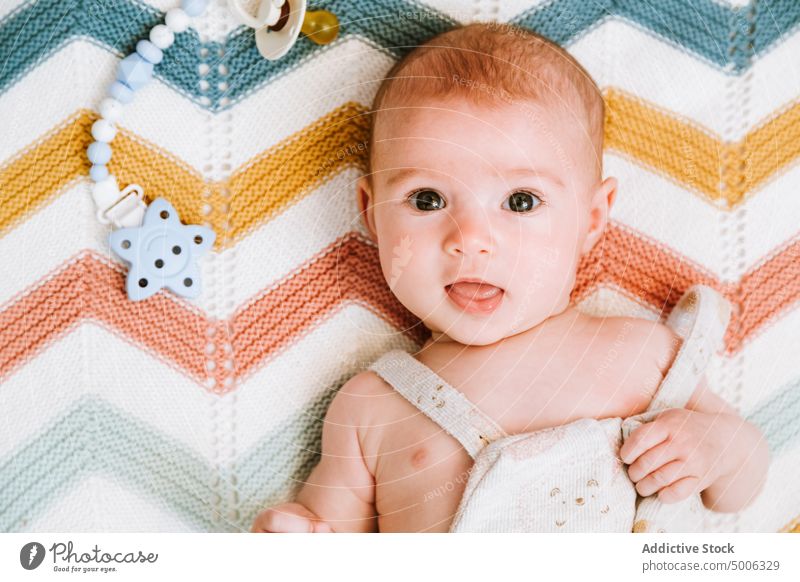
x=162 y=252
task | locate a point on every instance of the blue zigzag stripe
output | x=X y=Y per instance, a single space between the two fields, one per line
x=37 y=29
x=779 y=417
x=703 y=27
x=95 y=437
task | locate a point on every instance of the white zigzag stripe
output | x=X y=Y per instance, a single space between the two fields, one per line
x=769 y=512
x=67 y=226
x=162 y=116
x=645 y=202
x=252 y=131
x=653 y=68
x=665 y=211
x=287 y=384
x=141 y=383
x=98 y=503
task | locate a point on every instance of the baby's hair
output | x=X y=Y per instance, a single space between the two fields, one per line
x=493 y=63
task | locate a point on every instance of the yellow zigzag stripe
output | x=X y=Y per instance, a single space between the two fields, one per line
x=272 y=180
x=255 y=193
x=30 y=180
x=261 y=188
x=693 y=156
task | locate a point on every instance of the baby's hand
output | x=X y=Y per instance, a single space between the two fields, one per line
x=680 y=452
x=289 y=518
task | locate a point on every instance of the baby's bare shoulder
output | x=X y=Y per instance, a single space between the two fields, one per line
x=374 y=410
x=364 y=384
x=364 y=399
x=643 y=350
x=640 y=337
x=656 y=341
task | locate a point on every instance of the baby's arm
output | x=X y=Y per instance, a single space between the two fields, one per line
x=706 y=447
x=747 y=452
x=339 y=494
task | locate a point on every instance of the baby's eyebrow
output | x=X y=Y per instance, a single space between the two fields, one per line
x=530 y=171
x=399 y=174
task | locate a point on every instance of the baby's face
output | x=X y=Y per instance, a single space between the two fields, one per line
x=503 y=195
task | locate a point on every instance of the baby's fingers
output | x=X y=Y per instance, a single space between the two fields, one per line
x=643 y=438
x=679 y=490
x=275 y=520
x=651 y=460
x=289 y=518
x=662 y=477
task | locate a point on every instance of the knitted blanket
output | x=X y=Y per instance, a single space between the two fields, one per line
x=192 y=415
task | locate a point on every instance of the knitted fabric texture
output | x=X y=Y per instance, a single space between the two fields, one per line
x=193 y=415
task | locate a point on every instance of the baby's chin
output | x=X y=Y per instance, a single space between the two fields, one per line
x=448 y=324
x=477 y=333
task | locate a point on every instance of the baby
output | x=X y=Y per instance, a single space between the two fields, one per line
x=484 y=190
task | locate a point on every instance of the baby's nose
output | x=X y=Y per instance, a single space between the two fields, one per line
x=471 y=235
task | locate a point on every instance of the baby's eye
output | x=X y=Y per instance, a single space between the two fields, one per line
x=523 y=201
x=427 y=199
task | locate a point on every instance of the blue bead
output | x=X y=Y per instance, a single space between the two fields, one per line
x=98 y=173
x=194 y=7
x=149 y=52
x=134 y=71
x=99 y=153
x=121 y=92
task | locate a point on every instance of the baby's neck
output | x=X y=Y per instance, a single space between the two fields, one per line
x=568 y=317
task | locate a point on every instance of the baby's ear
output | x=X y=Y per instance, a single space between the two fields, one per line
x=611 y=191
x=366 y=207
x=599 y=208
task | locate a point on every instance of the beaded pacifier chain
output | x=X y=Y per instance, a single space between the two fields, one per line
x=161 y=251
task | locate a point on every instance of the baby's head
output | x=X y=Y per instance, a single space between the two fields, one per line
x=485 y=163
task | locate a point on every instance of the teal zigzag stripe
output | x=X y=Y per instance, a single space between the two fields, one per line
x=779 y=417
x=38 y=28
x=94 y=437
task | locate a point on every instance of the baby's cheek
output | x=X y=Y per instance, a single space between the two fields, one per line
x=407 y=272
x=543 y=284
x=540 y=263
x=400 y=256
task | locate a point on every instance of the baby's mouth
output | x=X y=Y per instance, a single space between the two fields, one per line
x=474 y=290
x=474 y=295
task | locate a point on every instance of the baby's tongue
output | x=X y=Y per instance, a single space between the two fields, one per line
x=474 y=290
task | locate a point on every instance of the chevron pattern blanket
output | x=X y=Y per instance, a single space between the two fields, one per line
x=190 y=415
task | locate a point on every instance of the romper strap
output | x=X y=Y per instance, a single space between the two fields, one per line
x=700 y=317
x=438 y=400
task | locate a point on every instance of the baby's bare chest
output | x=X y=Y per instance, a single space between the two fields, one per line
x=421 y=471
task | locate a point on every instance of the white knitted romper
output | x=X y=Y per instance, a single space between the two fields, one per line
x=567 y=478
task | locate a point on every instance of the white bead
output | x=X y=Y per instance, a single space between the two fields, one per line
x=103 y=130
x=111 y=109
x=161 y=36
x=177 y=20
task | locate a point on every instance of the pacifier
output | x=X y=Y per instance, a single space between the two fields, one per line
x=278 y=23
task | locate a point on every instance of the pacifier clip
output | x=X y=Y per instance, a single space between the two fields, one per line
x=160 y=250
